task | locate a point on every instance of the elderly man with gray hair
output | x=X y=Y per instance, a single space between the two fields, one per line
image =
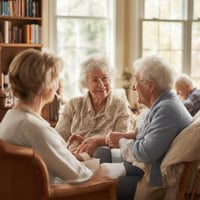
x=189 y=94
x=162 y=121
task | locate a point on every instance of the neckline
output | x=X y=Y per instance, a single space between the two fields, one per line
x=28 y=109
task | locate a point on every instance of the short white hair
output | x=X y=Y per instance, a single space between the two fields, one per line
x=94 y=61
x=184 y=79
x=155 y=68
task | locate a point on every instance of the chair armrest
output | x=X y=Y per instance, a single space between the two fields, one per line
x=98 y=189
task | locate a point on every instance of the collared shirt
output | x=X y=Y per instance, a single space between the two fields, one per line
x=192 y=103
x=79 y=117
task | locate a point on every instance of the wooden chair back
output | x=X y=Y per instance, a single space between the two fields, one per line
x=24 y=176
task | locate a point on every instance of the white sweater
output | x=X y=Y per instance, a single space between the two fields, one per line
x=30 y=130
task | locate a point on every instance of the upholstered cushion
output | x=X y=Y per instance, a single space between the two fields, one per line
x=185 y=147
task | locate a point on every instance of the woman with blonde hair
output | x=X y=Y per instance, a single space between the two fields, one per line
x=34 y=78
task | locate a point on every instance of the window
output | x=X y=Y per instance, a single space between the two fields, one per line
x=171 y=29
x=79 y=28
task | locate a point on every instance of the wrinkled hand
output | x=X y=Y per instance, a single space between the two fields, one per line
x=75 y=138
x=112 y=139
x=88 y=145
x=78 y=156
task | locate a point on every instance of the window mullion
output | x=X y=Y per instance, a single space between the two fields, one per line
x=183 y=58
x=187 y=38
x=80 y=32
x=186 y=47
x=53 y=25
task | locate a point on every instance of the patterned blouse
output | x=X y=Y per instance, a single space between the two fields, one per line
x=79 y=117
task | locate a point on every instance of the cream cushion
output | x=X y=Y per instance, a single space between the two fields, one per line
x=185 y=147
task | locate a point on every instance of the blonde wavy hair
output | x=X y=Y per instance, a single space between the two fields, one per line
x=32 y=72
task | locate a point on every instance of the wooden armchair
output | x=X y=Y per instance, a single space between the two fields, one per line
x=189 y=182
x=24 y=176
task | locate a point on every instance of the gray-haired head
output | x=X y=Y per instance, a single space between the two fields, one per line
x=94 y=61
x=155 y=68
x=184 y=79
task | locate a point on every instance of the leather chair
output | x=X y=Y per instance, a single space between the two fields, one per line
x=24 y=176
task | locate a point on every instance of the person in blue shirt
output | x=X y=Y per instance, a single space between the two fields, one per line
x=162 y=121
x=189 y=94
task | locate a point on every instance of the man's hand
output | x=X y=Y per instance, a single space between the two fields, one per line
x=112 y=138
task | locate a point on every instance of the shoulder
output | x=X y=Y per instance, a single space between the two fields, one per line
x=36 y=129
x=30 y=127
x=118 y=99
x=76 y=99
x=75 y=102
x=33 y=122
x=171 y=106
x=169 y=100
x=196 y=92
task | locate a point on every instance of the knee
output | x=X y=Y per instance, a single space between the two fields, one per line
x=104 y=154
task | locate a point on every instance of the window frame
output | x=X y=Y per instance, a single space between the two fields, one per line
x=110 y=52
x=186 y=32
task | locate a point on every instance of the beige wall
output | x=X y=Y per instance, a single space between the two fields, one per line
x=45 y=32
x=127 y=38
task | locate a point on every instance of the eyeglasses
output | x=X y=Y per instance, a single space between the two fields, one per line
x=139 y=81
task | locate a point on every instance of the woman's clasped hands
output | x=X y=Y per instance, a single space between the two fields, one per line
x=79 y=145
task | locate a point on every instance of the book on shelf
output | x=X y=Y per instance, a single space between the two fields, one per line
x=17 y=35
x=7 y=31
x=29 y=33
x=1 y=37
x=32 y=34
x=20 y=8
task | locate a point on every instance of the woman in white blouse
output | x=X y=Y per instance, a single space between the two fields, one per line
x=33 y=77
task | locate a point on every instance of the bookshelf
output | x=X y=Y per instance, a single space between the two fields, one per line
x=21 y=24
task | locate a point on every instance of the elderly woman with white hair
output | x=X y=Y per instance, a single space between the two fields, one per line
x=164 y=118
x=86 y=120
x=189 y=94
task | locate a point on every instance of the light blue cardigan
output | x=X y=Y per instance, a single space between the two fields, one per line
x=156 y=130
